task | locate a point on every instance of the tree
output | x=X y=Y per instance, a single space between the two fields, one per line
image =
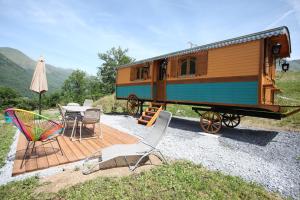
x=75 y=86
x=8 y=93
x=8 y=97
x=107 y=71
x=94 y=89
x=52 y=99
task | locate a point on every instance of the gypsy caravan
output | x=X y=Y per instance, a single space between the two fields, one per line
x=223 y=80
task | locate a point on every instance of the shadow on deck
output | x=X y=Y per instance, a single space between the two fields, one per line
x=47 y=155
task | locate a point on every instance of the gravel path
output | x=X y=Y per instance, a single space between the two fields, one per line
x=266 y=157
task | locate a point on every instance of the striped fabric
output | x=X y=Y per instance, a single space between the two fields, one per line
x=34 y=127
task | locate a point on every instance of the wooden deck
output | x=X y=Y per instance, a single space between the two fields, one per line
x=48 y=154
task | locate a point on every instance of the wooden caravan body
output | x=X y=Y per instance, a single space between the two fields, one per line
x=238 y=72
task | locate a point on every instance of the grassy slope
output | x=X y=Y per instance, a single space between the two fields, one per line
x=180 y=180
x=294 y=65
x=289 y=83
x=14 y=76
x=55 y=75
x=7 y=133
x=110 y=104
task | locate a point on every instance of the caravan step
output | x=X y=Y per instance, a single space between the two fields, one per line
x=141 y=121
x=153 y=108
x=146 y=117
x=157 y=105
x=150 y=113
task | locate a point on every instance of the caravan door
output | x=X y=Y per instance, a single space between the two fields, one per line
x=161 y=80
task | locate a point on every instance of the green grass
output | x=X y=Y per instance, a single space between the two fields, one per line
x=182 y=110
x=289 y=83
x=51 y=113
x=180 y=180
x=7 y=133
x=110 y=104
x=20 y=189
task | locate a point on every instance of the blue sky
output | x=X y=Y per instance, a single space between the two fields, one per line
x=70 y=33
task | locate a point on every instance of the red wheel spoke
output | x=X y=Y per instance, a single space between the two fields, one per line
x=214 y=125
x=132 y=105
x=211 y=122
x=206 y=125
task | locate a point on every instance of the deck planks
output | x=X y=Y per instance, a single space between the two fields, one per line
x=62 y=158
x=42 y=161
x=76 y=151
x=21 y=146
x=51 y=156
x=48 y=154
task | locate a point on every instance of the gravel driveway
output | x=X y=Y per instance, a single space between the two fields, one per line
x=267 y=157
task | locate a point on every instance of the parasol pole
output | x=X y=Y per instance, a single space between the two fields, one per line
x=40 y=103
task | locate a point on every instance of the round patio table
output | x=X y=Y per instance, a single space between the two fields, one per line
x=76 y=109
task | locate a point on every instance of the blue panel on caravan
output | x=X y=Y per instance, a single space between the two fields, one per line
x=141 y=91
x=221 y=92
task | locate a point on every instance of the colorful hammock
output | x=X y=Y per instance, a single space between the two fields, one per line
x=35 y=127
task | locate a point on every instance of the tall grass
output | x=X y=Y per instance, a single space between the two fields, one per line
x=111 y=104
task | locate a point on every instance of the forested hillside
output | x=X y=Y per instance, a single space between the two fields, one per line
x=17 y=70
x=14 y=76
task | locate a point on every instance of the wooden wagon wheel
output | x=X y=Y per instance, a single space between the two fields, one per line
x=211 y=122
x=132 y=105
x=231 y=120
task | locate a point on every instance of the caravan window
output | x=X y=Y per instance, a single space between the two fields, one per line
x=145 y=72
x=188 y=66
x=183 y=67
x=192 y=66
x=140 y=73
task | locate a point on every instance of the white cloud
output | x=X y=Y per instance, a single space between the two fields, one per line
x=279 y=19
x=73 y=33
x=295 y=4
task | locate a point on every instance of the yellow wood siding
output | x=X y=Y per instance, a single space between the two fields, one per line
x=268 y=96
x=123 y=75
x=236 y=60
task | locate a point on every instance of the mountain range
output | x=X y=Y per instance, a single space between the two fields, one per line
x=17 y=69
